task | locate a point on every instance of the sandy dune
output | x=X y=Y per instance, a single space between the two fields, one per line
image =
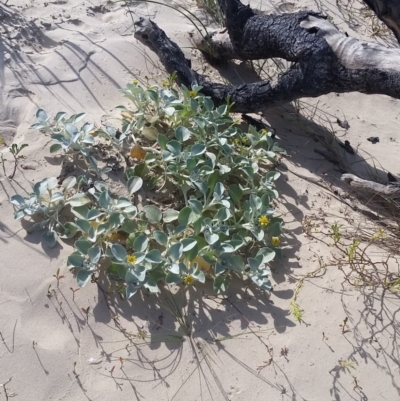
x=75 y=55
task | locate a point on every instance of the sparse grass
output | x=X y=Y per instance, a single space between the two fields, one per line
x=212 y=9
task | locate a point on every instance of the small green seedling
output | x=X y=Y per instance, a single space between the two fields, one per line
x=58 y=277
x=15 y=151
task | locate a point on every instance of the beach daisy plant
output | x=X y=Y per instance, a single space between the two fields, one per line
x=214 y=217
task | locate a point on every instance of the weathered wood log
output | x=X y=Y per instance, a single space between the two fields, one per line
x=388 y=11
x=324 y=59
x=387 y=191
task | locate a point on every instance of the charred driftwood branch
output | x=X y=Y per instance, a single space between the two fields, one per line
x=387 y=191
x=324 y=59
x=388 y=11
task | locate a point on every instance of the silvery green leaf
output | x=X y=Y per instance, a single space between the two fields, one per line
x=78 y=200
x=52 y=182
x=131 y=210
x=75 y=118
x=154 y=256
x=83 y=277
x=255 y=202
x=175 y=251
x=153 y=95
x=140 y=243
x=85 y=151
x=60 y=116
x=254 y=263
x=105 y=200
x=257 y=232
x=118 y=251
x=57 y=196
x=131 y=290
x=196 y=206
x=49 y=238
x=152 y=286
x=139 y=257
x=182 y=134
x=88 y=139
x=83 y=225
x=275 y=229
x=18 y=215
x=115 y=220
x=223 y=214
x=227 y=248
x=69 y=230
x=134 y=184
x=169 y=111
x=75 y=260
x=219 y=268
x=87 y=127
x=123 y=203
x=210 y=237
x=111 y=131
x=93 y=214
x=38 y=126
x=198 y=149
x=231 y=261
x=179 y=229
x=170 y=215
x=17 y=200
x=153 y=214
x=188 y=244
x=267 y=253
x=220 y=284
x=162 y=140
x=40 y=188
x=69 y=183
x=174 y=147
x=265 y=200
x=236 y=243
x=83 y=245
x=101 y=228
x=94 y=254
x=200 y=122
x=167 y=156
x=161 y=237
x=140 y=273
x=55 y=147
x=184 y=215
x=272 y=176
x=92 y=234
x=199 y=276
x=172 y=278
x=80 y=211
x=71 y=130
x=219 y=189
x=41 y=115
x=203 y=187
x=174 y=268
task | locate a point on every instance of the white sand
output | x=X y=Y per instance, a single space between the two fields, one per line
x=78 y=63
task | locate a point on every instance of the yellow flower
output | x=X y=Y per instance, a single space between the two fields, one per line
x=188 y=280
x=192 y=93
x=135 y=82
x=131 y=259
x=235 y=141
x=275 y=241
x=245 y=140
x=264 y=131
x=263 y=220
x=164 y=83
